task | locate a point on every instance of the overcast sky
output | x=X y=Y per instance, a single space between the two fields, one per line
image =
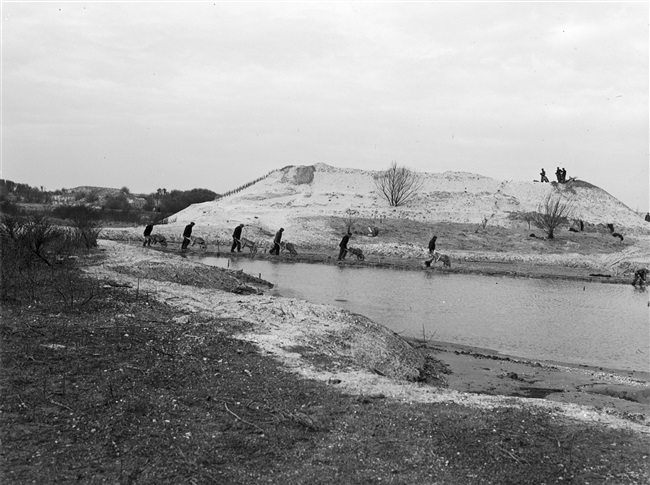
x=213 y=95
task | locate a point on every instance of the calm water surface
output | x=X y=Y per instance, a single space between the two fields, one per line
x=568 y=321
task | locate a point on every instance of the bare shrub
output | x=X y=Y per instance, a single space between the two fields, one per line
x=484 y=222
x=398 y=184
x=39 y=233
x=350 y=219
x=14 y=255
x=551 y=213
x=529 y=217
x=29 y=249
x=526 y=217
x=25 y=244
x=85 y=222
x=26 y=238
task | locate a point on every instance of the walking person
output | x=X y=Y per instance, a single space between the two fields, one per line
x=432 y=251
x=640 y=276
x=147 y=234
x=236 y=239
x=276 y=241
x=187 y=234
x=343 y=245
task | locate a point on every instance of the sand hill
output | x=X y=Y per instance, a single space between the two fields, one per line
x=313 y=204
x=298 y=198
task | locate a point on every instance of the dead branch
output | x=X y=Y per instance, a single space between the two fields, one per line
x=243 y=420
x=61 y=404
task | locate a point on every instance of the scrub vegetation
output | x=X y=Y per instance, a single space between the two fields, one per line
x=553 y=212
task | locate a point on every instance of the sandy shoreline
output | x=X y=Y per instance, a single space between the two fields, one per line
x=459 y=266
x=364 y=358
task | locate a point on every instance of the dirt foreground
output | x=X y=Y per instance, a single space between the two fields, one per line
x=334 y=346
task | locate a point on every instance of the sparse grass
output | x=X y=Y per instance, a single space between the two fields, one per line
x=125 y=389
x=457 y=236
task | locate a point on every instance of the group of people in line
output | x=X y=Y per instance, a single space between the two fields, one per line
x=237 y=240
x=187 y=235
x=640 y=275
x=237 y=237
x=277 y=240
x=560 y=174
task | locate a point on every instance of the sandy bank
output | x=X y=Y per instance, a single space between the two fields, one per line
x=358 y=356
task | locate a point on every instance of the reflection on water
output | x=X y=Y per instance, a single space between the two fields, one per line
x=567 y=321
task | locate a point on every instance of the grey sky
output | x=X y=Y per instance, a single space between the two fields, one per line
x=213 y=95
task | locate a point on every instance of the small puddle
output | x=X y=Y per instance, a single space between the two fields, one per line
x=536 y=392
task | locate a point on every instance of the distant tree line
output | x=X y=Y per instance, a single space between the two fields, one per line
x=176 y=200
x=10 y=190
x=106 y=204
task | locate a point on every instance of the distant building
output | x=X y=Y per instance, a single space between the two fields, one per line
x=65 y=199
x=138 y=202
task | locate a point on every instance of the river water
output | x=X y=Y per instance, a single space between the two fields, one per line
x=543 y=319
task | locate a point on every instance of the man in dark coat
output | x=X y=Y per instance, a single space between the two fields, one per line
x=432 y=245
x=432 y=250
x=147 y=234
x=187 y=233
x=543 y=175
x=558 y=174
x=276 y=241
x=563 y=175
x=640 y=276
x=344 y=246
x=236 y=239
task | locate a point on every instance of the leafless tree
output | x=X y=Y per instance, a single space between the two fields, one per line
x=350 y=219
x=552 y=212
x=398 y=184
x=528 y=217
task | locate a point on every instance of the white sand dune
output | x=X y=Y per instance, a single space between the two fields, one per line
x=293 y=194
x=304 y=199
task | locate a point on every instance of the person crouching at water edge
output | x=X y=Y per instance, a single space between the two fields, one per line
x=640 y=277
x=187 y=233
x=276 y=242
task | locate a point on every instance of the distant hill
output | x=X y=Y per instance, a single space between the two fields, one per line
x=100 y=191
x=296 y=195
